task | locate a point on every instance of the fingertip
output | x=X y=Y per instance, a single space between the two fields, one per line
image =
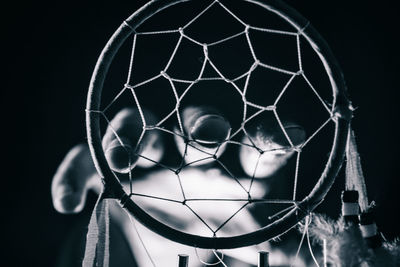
x=206 y=130
x=69 y=184
x=296 y=133
x=67 y=199
x=152 y=150
x=293 y=131
x=210 y=128
x=120 y=157
x=205 y=124
x=272 y=149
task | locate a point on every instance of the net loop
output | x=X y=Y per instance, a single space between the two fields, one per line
x=130 y=26
x=94 y=111
x=344 y=112
x=301 y=31
x=123 y=200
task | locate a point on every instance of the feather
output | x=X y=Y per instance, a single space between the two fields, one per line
x=344 y=243
x=394 y=250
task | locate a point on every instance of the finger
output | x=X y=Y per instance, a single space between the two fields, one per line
x=205 y=125
x=73 y=178
x=126 y=144
x=121 y=138
x=152 y=150
x=295 y=133
x=273 y=147
x=206 y=130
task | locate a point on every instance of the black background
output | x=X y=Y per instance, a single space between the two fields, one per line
x=50 y=49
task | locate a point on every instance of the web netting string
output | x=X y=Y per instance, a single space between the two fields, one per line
x=257 y=63
x=241 y=91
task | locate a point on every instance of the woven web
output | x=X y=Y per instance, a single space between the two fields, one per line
x=180 y=87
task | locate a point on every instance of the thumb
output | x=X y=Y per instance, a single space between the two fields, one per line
x=73 y=178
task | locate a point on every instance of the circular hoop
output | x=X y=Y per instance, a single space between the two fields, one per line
x=341 y=118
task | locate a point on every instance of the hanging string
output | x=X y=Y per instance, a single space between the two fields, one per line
x=141 y=239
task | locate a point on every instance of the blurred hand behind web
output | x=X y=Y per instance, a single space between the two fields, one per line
x=207 y=128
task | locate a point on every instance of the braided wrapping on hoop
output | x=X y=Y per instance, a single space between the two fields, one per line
x=338 y=113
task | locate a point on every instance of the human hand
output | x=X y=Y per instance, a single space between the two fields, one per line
x=77 y=175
